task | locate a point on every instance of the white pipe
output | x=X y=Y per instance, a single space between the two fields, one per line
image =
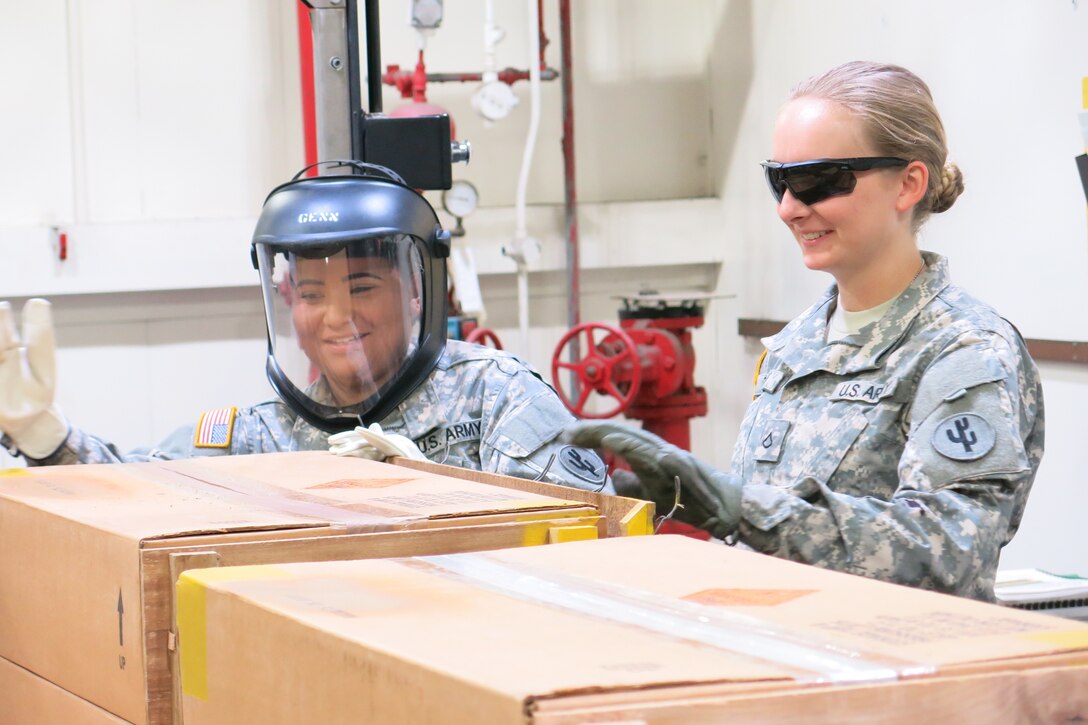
x=523 y=308
x=534 y=119
x=78 y=123
x=492 y=35
x=521 y=235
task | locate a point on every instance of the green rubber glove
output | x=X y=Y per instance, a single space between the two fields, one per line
x=711 y=498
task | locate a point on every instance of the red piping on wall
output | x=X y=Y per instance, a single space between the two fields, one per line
x=405 y=80
x=543 y=42
x=306 y=69
x=309 y=104
x=570 y=192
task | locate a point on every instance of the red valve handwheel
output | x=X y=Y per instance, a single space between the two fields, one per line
x=486 y=337
x=612 y=368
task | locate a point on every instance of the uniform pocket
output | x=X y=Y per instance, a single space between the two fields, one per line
x=829 y=449
x=809 y=448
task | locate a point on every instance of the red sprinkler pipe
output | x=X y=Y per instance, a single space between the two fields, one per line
x=419 y=81
x=405 y=81
x=306 y=70
x=543 y=38
x=309 y=104
x=570 y=193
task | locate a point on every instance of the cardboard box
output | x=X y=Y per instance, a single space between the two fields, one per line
x=646 y=629
x=90 y=553
x=26 y=699
x=623 y=516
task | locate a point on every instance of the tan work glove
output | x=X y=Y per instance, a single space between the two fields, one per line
x=373 y=443
x=28 y=381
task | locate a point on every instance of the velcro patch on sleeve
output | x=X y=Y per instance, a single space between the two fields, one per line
x=973 y=436
x=953 y=376
x=215 y=428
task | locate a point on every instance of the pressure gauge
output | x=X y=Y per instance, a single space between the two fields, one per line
x=460 y=199
x=494 y=100
x=426 y=14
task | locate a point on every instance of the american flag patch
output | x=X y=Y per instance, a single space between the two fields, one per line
x=215 y=428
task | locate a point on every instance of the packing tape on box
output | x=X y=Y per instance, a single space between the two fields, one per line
x=252 y=493
x=815 y=660
x=193 y=619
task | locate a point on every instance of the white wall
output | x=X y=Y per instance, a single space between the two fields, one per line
x=152 y=126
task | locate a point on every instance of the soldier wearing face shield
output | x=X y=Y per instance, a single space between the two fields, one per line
x=353 y=279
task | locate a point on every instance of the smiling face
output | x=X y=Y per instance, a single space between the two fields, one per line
x=851 y=235
x=353 y=317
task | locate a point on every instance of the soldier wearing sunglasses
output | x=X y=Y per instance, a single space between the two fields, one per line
x=897 y=424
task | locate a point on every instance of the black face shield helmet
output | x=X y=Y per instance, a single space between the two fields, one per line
x=353 y=277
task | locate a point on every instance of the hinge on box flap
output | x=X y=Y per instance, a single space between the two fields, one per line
x=172 y=641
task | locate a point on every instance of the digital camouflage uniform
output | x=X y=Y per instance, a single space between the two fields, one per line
x=480 y=409
x=904 y=452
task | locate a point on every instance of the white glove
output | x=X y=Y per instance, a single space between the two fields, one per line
x=28 y=380
x=374 y=444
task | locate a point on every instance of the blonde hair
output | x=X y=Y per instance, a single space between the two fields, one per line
x=900 y=119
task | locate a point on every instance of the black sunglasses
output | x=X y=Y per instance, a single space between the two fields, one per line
x=813 y=181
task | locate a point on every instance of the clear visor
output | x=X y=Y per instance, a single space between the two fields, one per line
x=343 y=320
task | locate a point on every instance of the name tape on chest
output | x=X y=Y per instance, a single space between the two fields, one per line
x=462 y=432
x=865 y=391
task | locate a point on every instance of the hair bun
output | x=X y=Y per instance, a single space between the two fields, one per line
x=950 y=188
